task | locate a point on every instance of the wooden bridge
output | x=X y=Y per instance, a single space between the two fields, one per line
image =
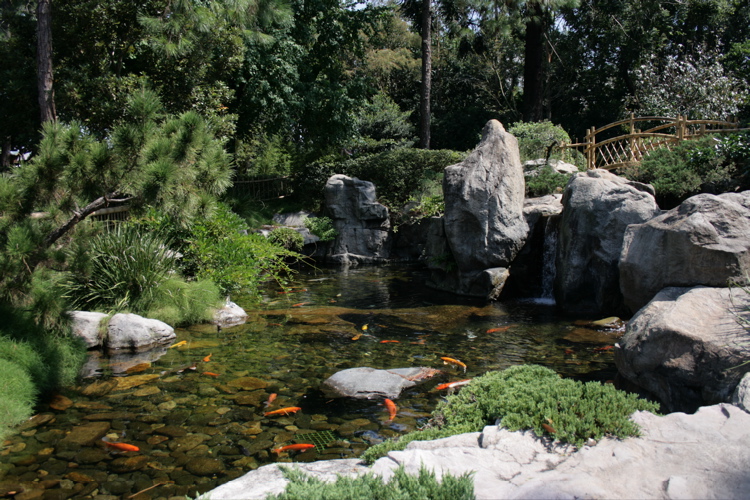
x=630 y=148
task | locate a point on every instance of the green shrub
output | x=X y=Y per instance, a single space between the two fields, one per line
x=535 y=138
x=531 y=397
x=17 y=395
x=286 y=237
x=711 y=165
x=396 y=174
x=547 y=181
x=402 y=486
x=322 y=227
x=183 y=302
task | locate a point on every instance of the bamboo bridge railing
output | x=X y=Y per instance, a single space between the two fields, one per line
x=630 y=148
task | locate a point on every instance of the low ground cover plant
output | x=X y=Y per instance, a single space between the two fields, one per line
x=530 y=397
x=369 y=487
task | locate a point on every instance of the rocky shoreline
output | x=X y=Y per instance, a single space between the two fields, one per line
x=704 y=455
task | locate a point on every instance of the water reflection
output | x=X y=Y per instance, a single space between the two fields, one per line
x=197 y=412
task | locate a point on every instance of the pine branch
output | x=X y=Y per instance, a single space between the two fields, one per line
x=78 y=215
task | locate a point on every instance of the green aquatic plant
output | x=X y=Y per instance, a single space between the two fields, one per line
x=368 y=487
x=322 y=227
x=530 y=397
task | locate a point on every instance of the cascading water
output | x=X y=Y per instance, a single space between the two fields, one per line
x=549 y=251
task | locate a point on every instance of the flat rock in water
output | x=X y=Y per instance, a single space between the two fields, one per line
x=368 y=383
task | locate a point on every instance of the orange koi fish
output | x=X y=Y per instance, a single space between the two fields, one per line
x=208 y=358
x=500 y=329
x=452 y=385
x=301 y=304
x=178 y=344
x=356 y=337
x=390 y=341
x=294 y=447
x=605 y=348
x=451 y=361
x=121 y=446
x=271 y=398
x=211 y=374
x=392 y=408
x=282 y=411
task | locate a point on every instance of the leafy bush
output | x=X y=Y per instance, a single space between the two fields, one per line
x=402 y=486
x=322 y=227
x=711 y=165
x=531 y=397
x=547 y=181
x=17 y=395
x=535 y=138
x=286 y=237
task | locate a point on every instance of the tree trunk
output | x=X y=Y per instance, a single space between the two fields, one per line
x=424 y=105
x=46 y=93
x=533 y=68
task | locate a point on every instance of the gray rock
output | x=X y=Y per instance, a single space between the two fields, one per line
x=598 y=207
x=362 y=223
x=130 y=331
x=368 y=383
x=686 y=346
x=88 y=326
x=704 y=455
x=484 y=196
x=269 y=480
x=293 y=219
x=704 y=241
x=230 y=315
x=741 y=394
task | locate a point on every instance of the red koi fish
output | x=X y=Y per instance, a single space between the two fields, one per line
x=271 y=398
x=208 y=358
x=282 y=411
x=211 y=374
x=390 y=341
x=451 y=385
x=605 y=348
x=392 y=408
x=500 y=329
x=301 y=304
x=121 y=446
x=294 y=447
x=451 y=361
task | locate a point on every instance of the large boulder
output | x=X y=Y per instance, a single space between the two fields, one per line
x=598 y=206
x=484 y=196
x=362 y=223
x=368 y=383
x=688 y=346
x=136 y=333
x=88 y=326
x=704 y=241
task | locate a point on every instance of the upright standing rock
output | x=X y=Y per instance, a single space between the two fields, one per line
x=704 y=241
x=484 y=222
x=484 y=196
x=362 y=223
x=598 y=206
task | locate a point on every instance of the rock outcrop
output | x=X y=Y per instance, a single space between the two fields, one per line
x=136 y=333
x=229 y=315
x=686 y=346
x=484 y=223
x=362 y=223
x=704 y=455
x=122 y=331
x=368 y=383
x=703 y=241
x=598 y=207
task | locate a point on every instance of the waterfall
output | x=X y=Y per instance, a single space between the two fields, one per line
x=549 y=250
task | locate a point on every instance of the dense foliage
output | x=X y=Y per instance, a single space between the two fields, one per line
x=530 y=397
x=402 y=486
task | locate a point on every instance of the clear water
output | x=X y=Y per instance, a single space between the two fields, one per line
x=197 y=411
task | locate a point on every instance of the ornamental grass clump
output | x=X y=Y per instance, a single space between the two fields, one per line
x=530 y=397
x=402 y=486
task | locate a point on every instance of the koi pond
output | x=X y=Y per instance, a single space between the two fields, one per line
x=197 y=410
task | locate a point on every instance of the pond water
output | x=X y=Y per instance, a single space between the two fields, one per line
x=196 y=411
